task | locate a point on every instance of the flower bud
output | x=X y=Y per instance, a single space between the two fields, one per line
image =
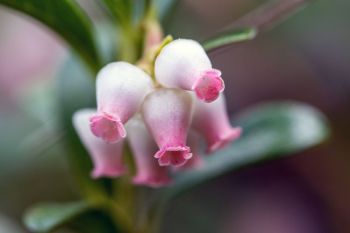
x=211 y=120
x=167 y=114
x=184 y=64
x=107 y=158
x=120 y=89
x=148 y=171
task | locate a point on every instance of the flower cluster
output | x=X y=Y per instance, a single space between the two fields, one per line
x=162 y=119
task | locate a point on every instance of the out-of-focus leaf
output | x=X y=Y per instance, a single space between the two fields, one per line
x=107 y=37
x=74 y=94
x=9 y=225
x=271 y=131
x=67 y=19
x=75 y=89
x=128 y=31
x=162 y=7
x=46 y=217
x=227 y=38
x=120 y=9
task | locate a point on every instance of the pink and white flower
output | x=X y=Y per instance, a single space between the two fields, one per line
x=107 y=158
x=120 y=89
x=157 y=118
x=184 y=64
x=167 y=114
x=211 y=120
x=143 y=147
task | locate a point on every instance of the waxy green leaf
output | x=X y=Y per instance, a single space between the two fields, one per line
x=121 y=10
x=68 y=20
x=74 y=94
x=270 y=131
x=46 y=217
x=230 y=37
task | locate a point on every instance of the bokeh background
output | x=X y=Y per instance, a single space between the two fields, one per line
x=306 y=58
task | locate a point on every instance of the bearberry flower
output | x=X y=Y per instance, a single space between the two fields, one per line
x=211 y=120
x=120 y=90
x=143 y=147
x=167 y=114
x=107 y=158
x=184 y=64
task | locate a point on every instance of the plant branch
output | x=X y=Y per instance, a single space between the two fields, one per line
x=266 y=16
x=270 y=14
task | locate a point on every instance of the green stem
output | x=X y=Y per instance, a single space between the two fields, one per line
x=121 y=218
x=124 y=207
x=129 y=40
x=150 y=10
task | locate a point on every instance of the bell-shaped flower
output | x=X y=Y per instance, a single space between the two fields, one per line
x=143 y=147
x=107 y=158
x=167 y=114
x=120 y=90
x=184 y=64
x=211 y=120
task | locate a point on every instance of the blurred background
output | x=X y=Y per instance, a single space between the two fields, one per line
x=306 y=58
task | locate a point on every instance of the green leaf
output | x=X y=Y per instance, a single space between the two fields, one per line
x=120 y=9
x=162 y=7
x=227 y=38
x=270 y=131
x=46 y=217
x=67 y=19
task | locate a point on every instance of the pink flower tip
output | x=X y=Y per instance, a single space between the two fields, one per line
x=107 y=127
x=152 y=181
x=225 y=139
x=209 y=85
x=174 y=156
x=111 y=171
